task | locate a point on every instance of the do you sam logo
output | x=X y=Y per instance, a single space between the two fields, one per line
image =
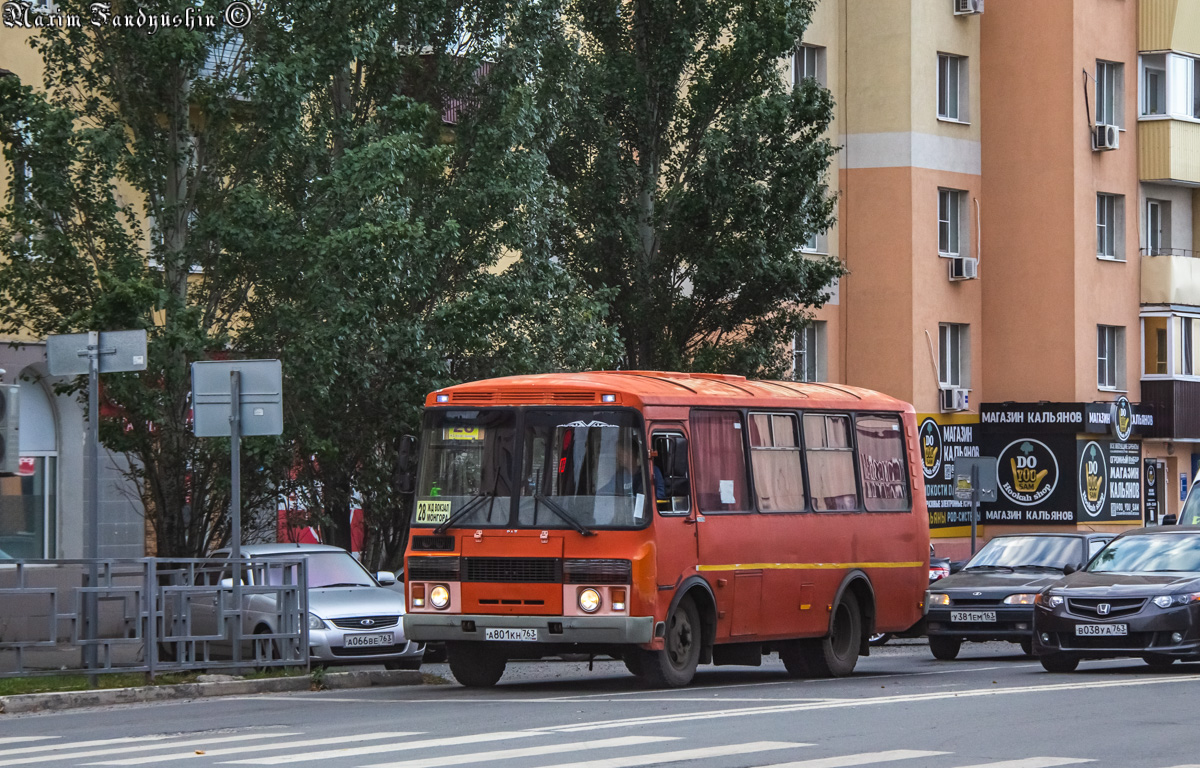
x=931 y=448
x=1028 y=472
x=1093 y=479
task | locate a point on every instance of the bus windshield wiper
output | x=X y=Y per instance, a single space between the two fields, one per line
x=472 y=504
x=557 y=509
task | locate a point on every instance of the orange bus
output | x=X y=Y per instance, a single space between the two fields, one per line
x=666 y=519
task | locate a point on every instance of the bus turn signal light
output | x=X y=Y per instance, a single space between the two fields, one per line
x=418 y=595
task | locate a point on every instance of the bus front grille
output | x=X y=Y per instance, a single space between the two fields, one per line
x=543 y=570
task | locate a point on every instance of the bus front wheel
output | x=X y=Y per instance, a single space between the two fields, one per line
x=475 y=666
x=675 y=665
x=836 y=654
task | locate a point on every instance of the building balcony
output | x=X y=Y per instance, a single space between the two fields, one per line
x=1175 y=404
x=1169 y=25
x=1171 y=276
x=1169 y=151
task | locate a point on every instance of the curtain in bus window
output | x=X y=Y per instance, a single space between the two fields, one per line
x=720 y=461
x=775 y=460
x=830 y=462
x=881 y=458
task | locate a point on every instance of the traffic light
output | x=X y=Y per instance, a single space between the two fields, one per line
x=10 y=446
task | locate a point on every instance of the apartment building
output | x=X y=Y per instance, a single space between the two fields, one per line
x=1016 y=188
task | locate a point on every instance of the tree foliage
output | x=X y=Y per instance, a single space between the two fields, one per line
x=694 y=174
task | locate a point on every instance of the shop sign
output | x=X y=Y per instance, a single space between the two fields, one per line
x=1150 y=484
x=943 y=439
x=1120 y=418
x=1033 y=477
x=1109 y=481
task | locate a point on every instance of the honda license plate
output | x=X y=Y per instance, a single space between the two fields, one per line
x=367 y=641
x=1090 y=630
x=972 y=615
x=519 y=635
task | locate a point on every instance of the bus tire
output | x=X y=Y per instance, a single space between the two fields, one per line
x=633 y=661
x=794 y=655
x=675 y=665
x=944 y=648
x=836 y=654
x=474 y=666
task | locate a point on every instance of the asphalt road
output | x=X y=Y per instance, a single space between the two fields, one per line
x=992 y=707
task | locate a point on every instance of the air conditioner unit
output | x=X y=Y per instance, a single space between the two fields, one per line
x=967 y=7
x=953 y=398
x=964 y=268
x=1105 y=137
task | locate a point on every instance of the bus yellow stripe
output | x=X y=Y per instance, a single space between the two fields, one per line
x=805 y=566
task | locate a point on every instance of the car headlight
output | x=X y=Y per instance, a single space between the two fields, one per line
x=314 y=622
x=439 y=597
x=1023 y=598
x=1166 y=601
x=589 y=600
x=1047 y=600
x=938 y=598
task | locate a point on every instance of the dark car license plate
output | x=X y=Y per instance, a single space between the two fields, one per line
x=972 y=615
x=1092 y=630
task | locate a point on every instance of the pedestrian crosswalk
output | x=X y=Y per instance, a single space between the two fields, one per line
x=530 y=748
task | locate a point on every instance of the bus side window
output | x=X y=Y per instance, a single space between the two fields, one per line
x=671 y=461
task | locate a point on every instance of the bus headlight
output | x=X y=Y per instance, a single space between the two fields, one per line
x=589 y=600
x=439 y=597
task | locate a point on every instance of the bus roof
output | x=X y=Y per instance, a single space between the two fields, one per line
x=639 y=388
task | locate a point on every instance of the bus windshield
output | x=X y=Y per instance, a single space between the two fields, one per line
x=532 y=468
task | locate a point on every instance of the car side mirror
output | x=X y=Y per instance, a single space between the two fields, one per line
x=385 y=578
x=1169 y=520
x=1069 y=568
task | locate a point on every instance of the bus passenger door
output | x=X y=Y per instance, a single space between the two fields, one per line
x=674 y=521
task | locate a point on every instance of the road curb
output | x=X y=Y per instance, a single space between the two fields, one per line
x=58 y=700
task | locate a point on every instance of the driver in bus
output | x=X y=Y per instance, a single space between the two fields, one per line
x=628 y=464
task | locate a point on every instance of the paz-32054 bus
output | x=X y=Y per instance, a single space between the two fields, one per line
x=667 y=519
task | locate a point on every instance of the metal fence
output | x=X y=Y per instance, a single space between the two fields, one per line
x=151 y=615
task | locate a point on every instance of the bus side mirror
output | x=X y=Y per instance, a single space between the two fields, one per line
x=675 y=477
x=404 y=476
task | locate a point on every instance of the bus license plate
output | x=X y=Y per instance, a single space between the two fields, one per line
x=367 y=641
x=1089 y=630
x=972 y=615
x=520 y=635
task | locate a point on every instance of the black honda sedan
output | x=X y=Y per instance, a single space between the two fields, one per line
x=1140 y=597
x=991 y=598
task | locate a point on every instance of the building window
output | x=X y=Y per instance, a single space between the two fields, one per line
x=808 y=353
x=1189 y=348
x=29 y=499
x=1110 y=357
x=1158 y=226
x=1110 y=230
x=1170 y=85
x=954 y=355
x=808 y=62
x=951 y=209
x=1109 y=93
x=1154 y=90
x=952 y=80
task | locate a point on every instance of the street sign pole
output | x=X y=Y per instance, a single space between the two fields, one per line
x=92 y=471
x=974 y=504
x=235 y=503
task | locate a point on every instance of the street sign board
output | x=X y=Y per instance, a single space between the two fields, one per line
x=67 y=354
x=261 y=397
x=987 y=477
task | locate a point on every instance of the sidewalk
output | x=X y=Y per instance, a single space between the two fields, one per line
x=207 y=685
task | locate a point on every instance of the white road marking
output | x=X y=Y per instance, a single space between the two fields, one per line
x=862 y=758
x=844 y=703
x=449 y=741
x=18 y=739
x=1033 y=762
x=507 y=754
x=659 y=758
x=194 y=743
x=260 y=748
x=78 y=745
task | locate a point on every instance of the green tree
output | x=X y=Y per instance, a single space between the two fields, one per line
x=695 y=173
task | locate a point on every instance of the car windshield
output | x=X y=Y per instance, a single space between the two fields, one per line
x=1149 y=553
x=325 y=569
x=564 y=468
x=1037 y=551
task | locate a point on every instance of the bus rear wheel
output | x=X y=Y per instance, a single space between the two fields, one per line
x=836 y=654
x=675 y=665
x=475 y=666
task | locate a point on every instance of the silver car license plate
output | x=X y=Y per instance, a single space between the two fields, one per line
x=972 y=615
x=520 y=635
x=368 y=641
x=1089 y=630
